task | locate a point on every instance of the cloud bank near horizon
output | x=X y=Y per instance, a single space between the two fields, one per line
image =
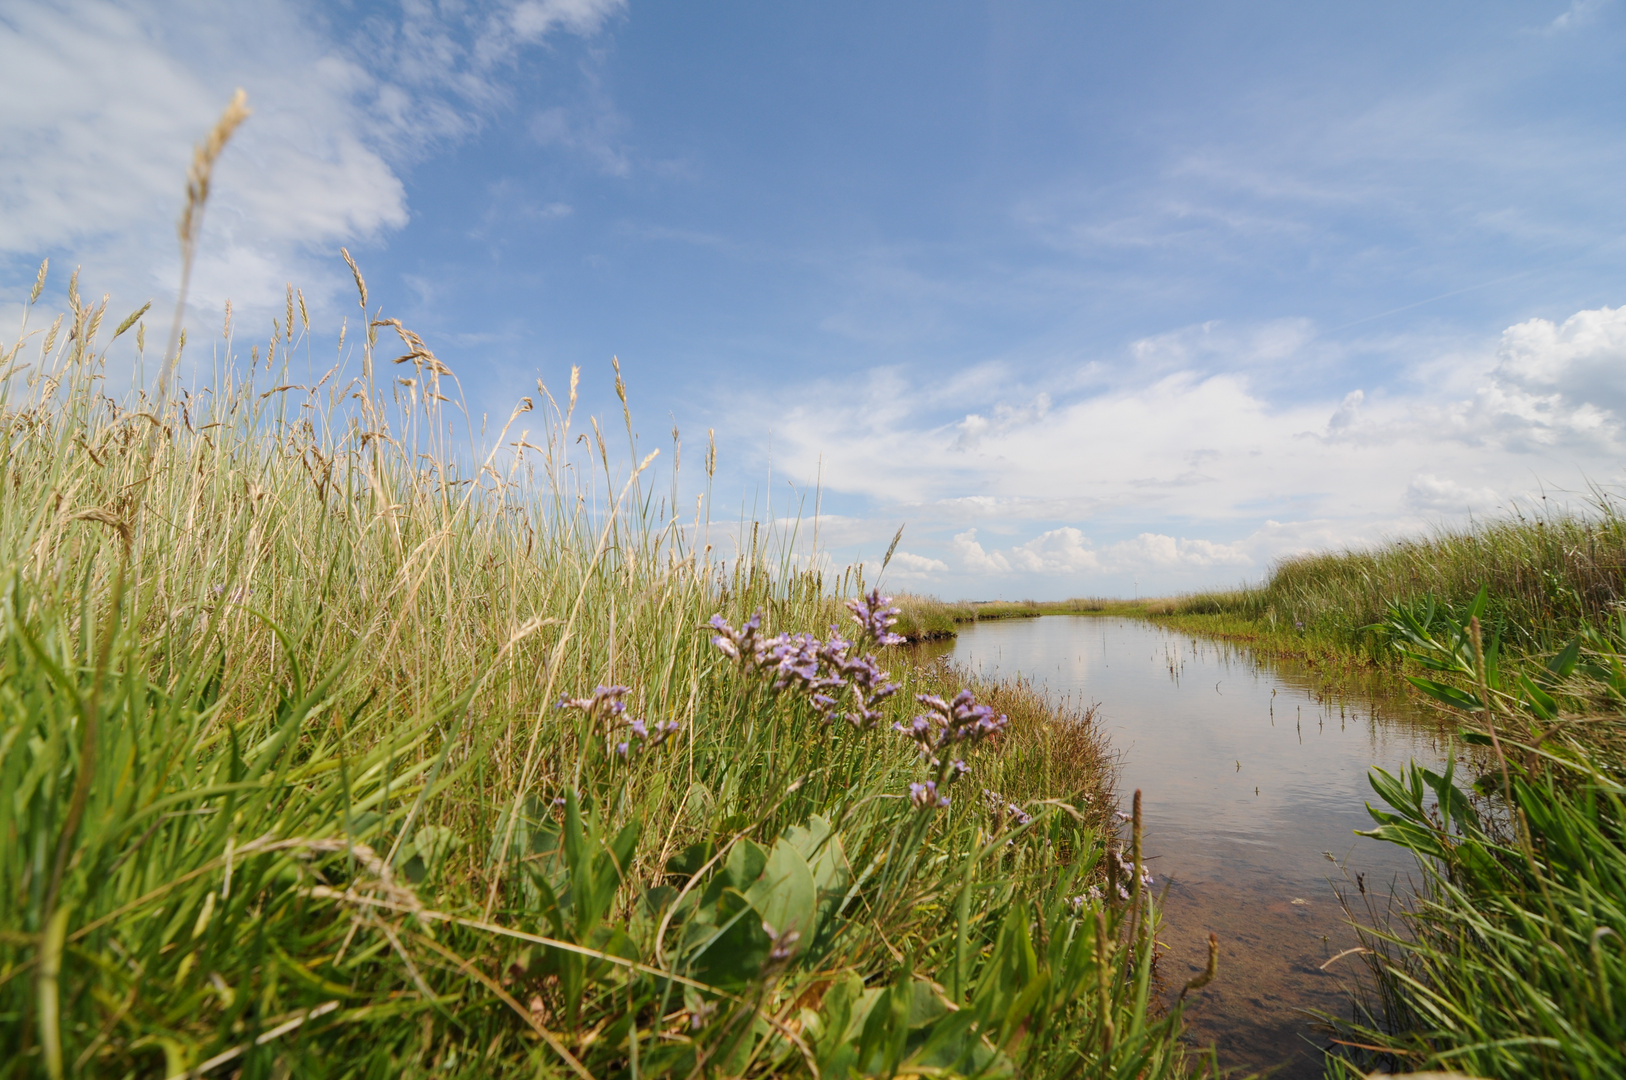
x=1011 y=495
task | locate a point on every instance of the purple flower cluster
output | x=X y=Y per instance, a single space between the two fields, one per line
x=745 y=644
x=841 y=679
x=1127 y=869
x=926 y=797
x=1090 y=899
x=876 y=616
x=604 y=704
x=831 y=672
x=947 y=723
x=647 y=738
x=606 y=709
x=945 y=726
x=1003 y=810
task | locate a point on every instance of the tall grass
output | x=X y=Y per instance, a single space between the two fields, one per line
x=1548 y=576
x=285 y=787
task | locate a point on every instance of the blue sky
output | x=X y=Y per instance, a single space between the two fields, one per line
x=1097 y=298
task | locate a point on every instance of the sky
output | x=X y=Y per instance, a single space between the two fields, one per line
x=1089 y=298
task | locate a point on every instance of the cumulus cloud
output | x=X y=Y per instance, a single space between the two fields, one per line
x=1430 y=494
x=1067 y=553
x=974 y=559
x=1198 y=473
x=1057 y=551
x=1158 y=550
x=1581 y=360
x=907 y=564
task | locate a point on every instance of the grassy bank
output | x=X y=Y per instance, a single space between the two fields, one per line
x=1547 y=578
x=328 y=748
x=926 y=618
x=1510 y=960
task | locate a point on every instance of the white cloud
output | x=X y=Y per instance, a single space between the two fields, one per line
x=1006 y=417
x=909 y=564
x=532 y=19
x=1234 y=348
x=105 y=99
x=1432 y=494
x=1199 y=475
x=1581 y=360
x=1058 y=551
x=1157 y=550
x=1067 y=553
x=1579 y=13
x=974 y=559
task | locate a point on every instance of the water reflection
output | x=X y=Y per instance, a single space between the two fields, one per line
x=1254 y=782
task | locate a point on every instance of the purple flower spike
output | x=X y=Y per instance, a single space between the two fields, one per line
x=605 y=703
x=876 y=615
x=925 y=796
x=741 y=645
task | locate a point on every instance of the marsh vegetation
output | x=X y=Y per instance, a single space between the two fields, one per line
x=331 y=748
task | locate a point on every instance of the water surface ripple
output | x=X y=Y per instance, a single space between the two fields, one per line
x=1254 y=782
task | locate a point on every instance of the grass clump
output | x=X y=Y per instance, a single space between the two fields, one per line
x=926 y=618
x=1548 y=576
x=328 y=749
x=1511 y=961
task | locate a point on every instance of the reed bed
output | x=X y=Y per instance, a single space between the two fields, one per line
x=1548 y=576
x=329 y=747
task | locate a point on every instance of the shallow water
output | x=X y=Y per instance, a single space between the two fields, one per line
x=1254 y=782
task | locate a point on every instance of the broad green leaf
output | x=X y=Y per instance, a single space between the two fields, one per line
x=785 y=895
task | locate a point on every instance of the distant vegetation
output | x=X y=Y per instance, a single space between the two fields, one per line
x=926 y=618
x=1547 y=578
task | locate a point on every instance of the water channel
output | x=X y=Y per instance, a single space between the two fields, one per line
x=1254 y=780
